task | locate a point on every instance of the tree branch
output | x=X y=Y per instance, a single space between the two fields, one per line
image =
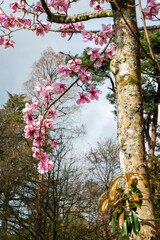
x=62 y=18
x=46 y=9
x=155 y=27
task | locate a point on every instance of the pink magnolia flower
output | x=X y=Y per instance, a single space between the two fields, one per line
x=28 y=109
x=35 y=103
x=28 y=118
x=95 y=55
x=47 y=90
x=7 y=43
x=84 y=75
x=87 y=36
x=100 y=59
x=94 y=93
x=36 y=153
x=37 y=142
x=8 y=21
x=37 y=7
x=96 y=4
x=53 y=143
x=41 y=29
x=22 y=22
x=152 y=9
x=60 y=5
x=58 y=87
x=52 y=113
x=40 y=154
x=66 y=27
x=79 y=26
x=44 y=167
x=111 y=51
x=74 y=65
x=106 y=32
x=83 y=98
x=43 y=156
x=48 y=123
x=31 y=131
x=65 y=70
x=13 y=6
x=38 y=88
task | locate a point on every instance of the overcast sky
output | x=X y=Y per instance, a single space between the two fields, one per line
x=15 y=68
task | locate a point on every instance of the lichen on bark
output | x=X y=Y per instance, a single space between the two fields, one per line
x=129 y=105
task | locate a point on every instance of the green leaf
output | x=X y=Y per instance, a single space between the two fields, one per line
x=136 y=224
x=129 y=223
x=124 y=231
x=112 y=224
x=137 y=204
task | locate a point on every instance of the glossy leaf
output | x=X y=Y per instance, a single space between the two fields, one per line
x=102 y=195
x=137 y=204
x=117 y=210
x=103 y=205
x=113 y=188
x=112 y=194
x=129 y=224
x=128 y=176
x=118 y=200
x=124 y=231
x=112 y=225
x=135 y=223
x=121 y=220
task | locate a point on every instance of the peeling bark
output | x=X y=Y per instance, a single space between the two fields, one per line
x=129 y=108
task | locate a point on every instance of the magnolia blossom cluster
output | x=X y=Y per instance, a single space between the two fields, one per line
x=41 y=29
x=100 y=38
x=74 y=66
x=10 y=21
x=79 y=26
x=59 y=5
x=95 y=55
x=39 y=115
x=6 y=42
x=92 y=94
x=37 y=124
x=152 y=9
x=96 y=4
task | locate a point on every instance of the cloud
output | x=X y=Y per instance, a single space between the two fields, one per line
x=15 y=67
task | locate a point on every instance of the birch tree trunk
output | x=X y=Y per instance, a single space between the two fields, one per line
x=129 y=107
